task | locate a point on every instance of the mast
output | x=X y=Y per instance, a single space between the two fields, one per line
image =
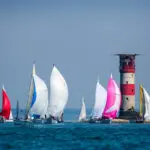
x=17 y=110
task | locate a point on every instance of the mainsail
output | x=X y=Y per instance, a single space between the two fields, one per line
x=82 y=115
x=141 y=101
x=11 y=116
x=111 y=110
x=6 y=106
x=147 y=104
x=31 y=90
x=58 y=94
x=100 y=101
x=38 y=97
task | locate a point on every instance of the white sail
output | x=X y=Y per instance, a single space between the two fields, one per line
x=58 y=94
x=39 y=101
x=11 y=119
x=31 y=90
x=147 y=105
x=83 y=111
x=11 y=116
x=100 y=101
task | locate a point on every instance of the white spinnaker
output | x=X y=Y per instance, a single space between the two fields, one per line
x=100 y=101
x=82 y=115
x=41 y=101
x=117 y=103
x=58 y=93
x=147 y=105
x=11 y=116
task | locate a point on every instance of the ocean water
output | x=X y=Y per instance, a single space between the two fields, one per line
x=75 y=136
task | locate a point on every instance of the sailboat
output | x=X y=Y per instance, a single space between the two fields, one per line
x=6 y=107
x=100 y=101
x=58 y=96
x=82 y=116
x=38 y=98
x=17 y=120
x=144 y=106
x=113 y=103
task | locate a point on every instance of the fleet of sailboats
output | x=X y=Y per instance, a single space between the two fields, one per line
x=106 y=106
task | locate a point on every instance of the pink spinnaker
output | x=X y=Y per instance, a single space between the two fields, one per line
x=113 y=100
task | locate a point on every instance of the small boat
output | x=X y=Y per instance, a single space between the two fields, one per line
x=82 y=116
x=6 y=114
x=113 y=102
x=58 y=97
x=17 y=120
x=38 y=98
x=100 y=102
x=17 y=111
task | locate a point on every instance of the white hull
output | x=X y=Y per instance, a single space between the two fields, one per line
x=6 y=121
x=9 y=120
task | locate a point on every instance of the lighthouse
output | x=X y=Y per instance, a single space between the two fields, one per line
x=127 y=84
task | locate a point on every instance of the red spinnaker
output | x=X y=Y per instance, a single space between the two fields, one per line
x=6 y=106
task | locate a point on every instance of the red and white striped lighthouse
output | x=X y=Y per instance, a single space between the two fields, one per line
x=127 y=81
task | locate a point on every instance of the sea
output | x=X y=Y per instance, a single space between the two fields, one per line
x=74 y=136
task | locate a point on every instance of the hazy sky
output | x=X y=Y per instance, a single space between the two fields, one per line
x=80 y=37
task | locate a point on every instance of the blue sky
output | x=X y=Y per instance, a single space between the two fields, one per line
x=80 y=37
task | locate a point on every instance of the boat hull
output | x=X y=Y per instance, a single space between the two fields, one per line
x=106 y=121
x=101 y=121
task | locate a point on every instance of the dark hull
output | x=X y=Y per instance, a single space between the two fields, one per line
x=101 y=121
x=139 y=121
